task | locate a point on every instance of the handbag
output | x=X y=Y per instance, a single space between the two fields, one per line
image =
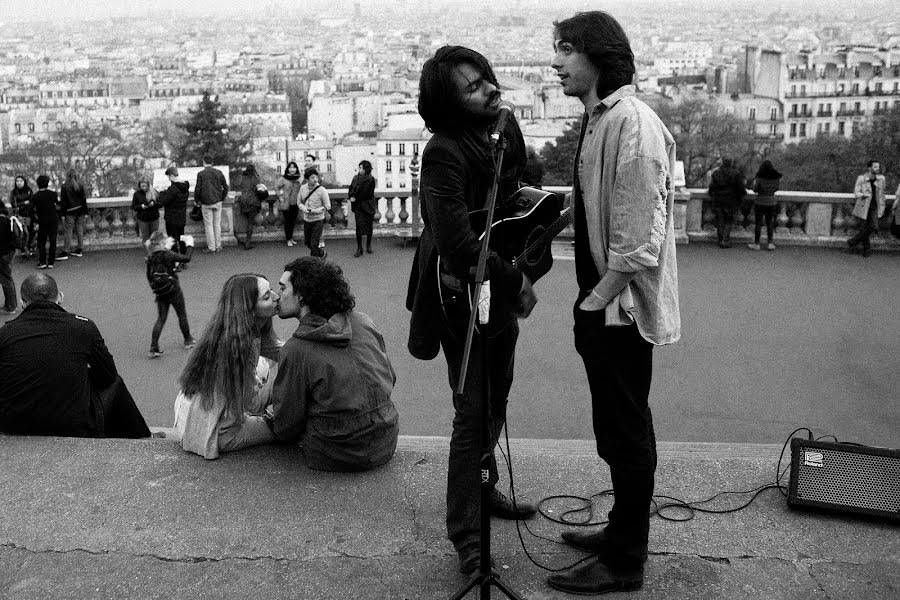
x=196 y=213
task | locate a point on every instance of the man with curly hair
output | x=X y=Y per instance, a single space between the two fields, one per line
x=332 y=393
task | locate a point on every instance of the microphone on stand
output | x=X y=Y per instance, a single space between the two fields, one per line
x=506 y=109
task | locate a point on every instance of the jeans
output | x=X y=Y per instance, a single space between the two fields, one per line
x=175 y=300
x=724 y=213
x=619 y=366
x=312 y=234
x=175 y=232
x=212 y=225
x=767 y=214
x=146 y=228
x=75 y=222
x=47 y=233
x=6 y=281
x=463 y=469
x=290 y=221
x=866 y=228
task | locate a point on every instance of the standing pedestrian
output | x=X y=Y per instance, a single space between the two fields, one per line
x=7 y=252
x=174 y=200
x=627 y=280
x=869 y=186
x=210 y=191
x=288 y=191
x=363 y=204
x=314 y=202
x=146 y=208
x=764 y=205
x=166 y=287
x=73 y=199
x=20 y=205
x=248 y=205
x=726 y=189
x=44 y=208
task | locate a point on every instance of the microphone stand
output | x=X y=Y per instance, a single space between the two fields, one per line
x=486 y=576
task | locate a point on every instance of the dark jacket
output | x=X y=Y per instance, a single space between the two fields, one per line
x=165 y=260
x=249 y=201
x=147 y=210
x=333 y=393
x=51 y=362
x=174 y=200
x=450 y=188
x=43 y=206
x=362 y=190
x=765 y=191
x=211 y=187
x=727 y=185
x=73 y=201
x=20 y=202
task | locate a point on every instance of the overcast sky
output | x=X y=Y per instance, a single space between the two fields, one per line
x=36 y=10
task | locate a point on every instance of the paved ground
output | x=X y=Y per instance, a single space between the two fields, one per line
x=114 y=519
x=772 y=340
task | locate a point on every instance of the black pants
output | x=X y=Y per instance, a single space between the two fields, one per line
x=767 y=214
x=463 y=474
x=724 y=213
x=619 y=366
x=312 y=233
x=7 y=283
x=290 y=221
x=176 y=231
x=47 y=233
x=867 y=227
x=175 y=300
x=116 y=414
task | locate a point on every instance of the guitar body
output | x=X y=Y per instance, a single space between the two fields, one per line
x=522 y=233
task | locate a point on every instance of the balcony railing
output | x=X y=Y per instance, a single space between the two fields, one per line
x=803 y=218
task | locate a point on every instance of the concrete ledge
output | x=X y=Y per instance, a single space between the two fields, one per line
x=85 y=518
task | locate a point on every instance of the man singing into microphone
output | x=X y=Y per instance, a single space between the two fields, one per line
x=459 y=102
x=627 y=281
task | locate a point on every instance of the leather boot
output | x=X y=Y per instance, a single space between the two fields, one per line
x=594 y=577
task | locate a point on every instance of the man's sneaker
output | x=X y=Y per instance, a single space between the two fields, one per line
x=62 y=255
x=503 y=508
x=49 y=266
x=771 y=246
x=42 y=266
x=753 y=246
x=188 y=344
x=290 y=243
x=77 y=252
x=154 y=353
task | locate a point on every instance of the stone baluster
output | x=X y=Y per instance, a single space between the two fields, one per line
x=796 y=220
x=378 y=212
x=130 y=227
x=103 y=223
x=781 y=220
x=709 y=217
x=404 y=216
x=389 y=214
x=116 y=225
x=838 y=222
x=90 y=224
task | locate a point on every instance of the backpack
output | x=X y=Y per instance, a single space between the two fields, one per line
x=19 y=233
x=162 y=282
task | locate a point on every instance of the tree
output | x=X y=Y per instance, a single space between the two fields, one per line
x=820 y=164
x=209 y=134
x=705 y=134
x=558 y=158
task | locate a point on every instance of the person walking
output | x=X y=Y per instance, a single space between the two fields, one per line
x=288 y=191
x=20 y=205
x=165 y=286
x=210 y=191
x=248 y=205
x=726 y=189
x=73 y=199
x=764 y=205
x=869 y=186
x=314 y=203
x=362 y=201
x=174 y=200
x=145 y=207
x=44 y=208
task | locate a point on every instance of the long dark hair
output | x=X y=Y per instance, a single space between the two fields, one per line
x=439 y=103
x=598 y=35
x=26 y=189
x=321 y=285
x=297 y=173
x=73 y=181
x=767 y=171
x=224 y=361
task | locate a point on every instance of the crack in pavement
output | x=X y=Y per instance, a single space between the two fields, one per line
x=417 y=527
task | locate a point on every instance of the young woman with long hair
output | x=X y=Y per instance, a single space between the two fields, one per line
x=363 y=204
x=163 y=279
x=20 y=205
x=145 y=207
x=226 y=384
x=288 y=189
x=73 y=198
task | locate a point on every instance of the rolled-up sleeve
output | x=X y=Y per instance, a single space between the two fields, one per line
x=638 y=214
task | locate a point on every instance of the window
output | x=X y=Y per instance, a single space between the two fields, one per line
x=402 y=184
x=416 y=146
x=818 y=128
x=773 y=114
x=388 y=167
x=18 y=128
x=402 y=149
x=878 y=88
x=855 y=89
x=328 y=167
x=388 y=184
x=794 y=90
x=841 y=127
x=387 y=150
x=802 y=90
x=328 y=155
x=793 y=130
x=59 y=125
x=31 y=128
x=827 y=128
x=802 y=129
x=855 y=127
x=752 y=113
x=403 y=166
x=773 y=130
x=857 y=107
x=278 y=157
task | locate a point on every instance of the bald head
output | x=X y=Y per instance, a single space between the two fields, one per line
x=39 y=286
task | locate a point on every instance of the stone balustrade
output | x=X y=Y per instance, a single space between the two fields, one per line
x=803 y=218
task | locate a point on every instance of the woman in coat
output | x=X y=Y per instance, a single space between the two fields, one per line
x=764 y=205
x=174 y=199
x=363 y=204
x=288 y=189
x=226 y=384
x=20 y=204
x=161 y=274
x=146 y=209
x=73 y=198
x=248 y=205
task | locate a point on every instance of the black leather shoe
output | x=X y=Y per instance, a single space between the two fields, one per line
x=470 y=559
x=503 y=508
x=596 y=578
x=589 y=541
x=358 y=253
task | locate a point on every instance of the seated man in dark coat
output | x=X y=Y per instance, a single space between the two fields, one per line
x=56 y=375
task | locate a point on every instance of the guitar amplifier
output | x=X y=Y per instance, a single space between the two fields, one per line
x=846 y=478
